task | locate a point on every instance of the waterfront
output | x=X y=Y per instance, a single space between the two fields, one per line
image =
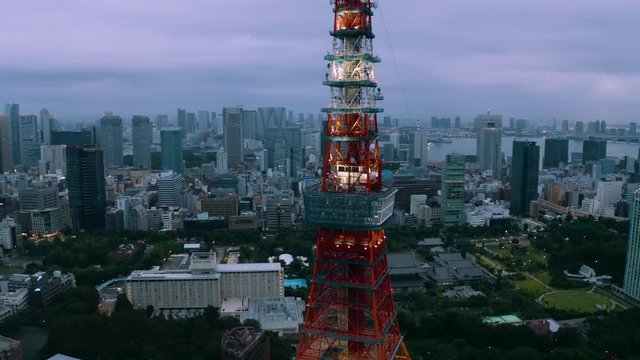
x=467 y=146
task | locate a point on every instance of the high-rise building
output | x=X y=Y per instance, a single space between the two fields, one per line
x=172 y=156
x=71 y=138
x=565 y=125
x=632 y=128
x=632 y=270
x=110 y=139
x=162 y=121
x=6 y=158
x=52 y=159
x=250 y=129
x=284 y=146
x=458 y=122
x=47 y=124
x=86 y=184
x=233 y=136
x=488 y=129
x=182 y=120
x=521 y=126
x=579 y=128
x=169 y=189
x=29 y=141
x=351 y=313
x=556 y=152
x=204 y=120
x=418 y=148
x=13 y=112
x=524 y=176
x=142 y=139
x=272 y=117
x=191 y=123
x=593 y=150
x=453 y=182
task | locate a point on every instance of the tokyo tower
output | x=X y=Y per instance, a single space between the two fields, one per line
x=351 y=313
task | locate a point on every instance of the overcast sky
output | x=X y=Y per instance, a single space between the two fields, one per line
x=574 y=59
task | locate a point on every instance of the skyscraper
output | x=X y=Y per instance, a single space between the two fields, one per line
x=250 y=129
x=632 y=270
x=13 y=112
x=203 y=120
x=47 y=124
x=110 y=139
x=169 y=188
x=191 y=123
x=85 y=181
x=488 y=129
x=52 y=159
x=524 y=176
x=182 y=120
x=556 y=151
x=284 y=147
x=162 y=121
x=6 y=159
x=142 y=138
x=29 y=141
x=271 y=117
x=233 y=136
x=172 y=156
x=71 y=138
x=418 y=151
x=453 y=181
x=593 y=150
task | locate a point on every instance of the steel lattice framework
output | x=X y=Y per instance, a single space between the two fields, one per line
x=351 y=313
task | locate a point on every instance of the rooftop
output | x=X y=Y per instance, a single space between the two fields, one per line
x=257 y=267
x=168 y=275
x=430 y=242
x=275 y=313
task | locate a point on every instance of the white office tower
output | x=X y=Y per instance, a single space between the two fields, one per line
x=242 y=186
x=222 y=165
x=53 y=159
x=169 y=188
x=607 y=195
x=488 y=129
x=420 y=149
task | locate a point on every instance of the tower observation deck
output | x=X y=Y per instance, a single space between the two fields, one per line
x=351 y=313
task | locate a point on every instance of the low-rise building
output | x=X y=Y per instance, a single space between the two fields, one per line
x=16 y=301
x=203 y=283
x=278 y=314
x=44 y=288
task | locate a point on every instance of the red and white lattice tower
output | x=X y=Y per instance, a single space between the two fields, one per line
x=351 y=313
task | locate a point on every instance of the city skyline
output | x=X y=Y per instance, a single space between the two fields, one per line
x=536 y=61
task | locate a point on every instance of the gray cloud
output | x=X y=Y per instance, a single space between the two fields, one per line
x=573 y=58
